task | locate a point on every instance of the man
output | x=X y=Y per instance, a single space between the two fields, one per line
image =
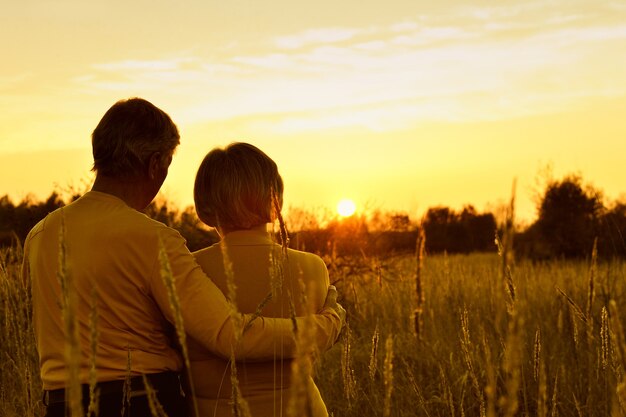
x=107 y=278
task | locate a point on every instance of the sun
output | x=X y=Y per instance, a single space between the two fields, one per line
x=346 y=208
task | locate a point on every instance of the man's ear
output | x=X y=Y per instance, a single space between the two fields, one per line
x=154 y=164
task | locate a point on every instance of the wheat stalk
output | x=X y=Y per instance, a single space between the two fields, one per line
x=591 y=293
x=505 y=251
x=540 y=375
x=374 y=354
x=388 y=375
x=156 y=409
x=537 y=354
x=419 y=286
x=447 y=392
x=172 y=294
x=300 y=402
x=69 y=305
x=93 y=342
x=466 y=345
x=605 y=337
x=554 y=412
x=126 y=388
x=490 y=388
x=347 y=372
x=509 y=403
x=240 y=406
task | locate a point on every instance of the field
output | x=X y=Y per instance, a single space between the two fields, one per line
x=547 y=341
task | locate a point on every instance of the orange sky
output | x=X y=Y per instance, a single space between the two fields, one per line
x=399 y=105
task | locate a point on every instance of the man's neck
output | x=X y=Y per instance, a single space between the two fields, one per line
x=130 y=191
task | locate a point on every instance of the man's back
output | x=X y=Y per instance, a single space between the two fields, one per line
x=112 y=260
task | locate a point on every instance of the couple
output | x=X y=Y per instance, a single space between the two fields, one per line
x=138 y=277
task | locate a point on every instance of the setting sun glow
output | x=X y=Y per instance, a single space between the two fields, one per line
x=346 y=208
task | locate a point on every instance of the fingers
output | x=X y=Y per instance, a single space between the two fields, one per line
x=331 y=297
x=342 y=312
x=331 y=302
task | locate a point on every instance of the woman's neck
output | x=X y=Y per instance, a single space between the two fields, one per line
x=223 y=231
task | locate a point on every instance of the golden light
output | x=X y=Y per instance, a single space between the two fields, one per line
x=346 y=208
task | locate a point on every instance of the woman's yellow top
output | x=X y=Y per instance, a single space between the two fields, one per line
x=257 y=267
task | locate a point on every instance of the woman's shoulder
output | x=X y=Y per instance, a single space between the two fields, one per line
x=306 y=260
x=210 y=252
x=207 y=249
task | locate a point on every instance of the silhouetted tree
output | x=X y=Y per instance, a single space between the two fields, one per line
x=160 y=211
x=479 y=229
x=613 y=232
x=437 y=228
x=568 y=219
x=196 y=234
x=462 y=232
x=17 y=220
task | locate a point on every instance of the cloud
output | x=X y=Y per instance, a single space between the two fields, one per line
x=405 y=26
x=145 y=65
x=379 y=117
x=13 y=81
x=377 y=45
x=316 y=36
x=427 y=36
x=488 y=67
x=592 y=34
x=270 y=61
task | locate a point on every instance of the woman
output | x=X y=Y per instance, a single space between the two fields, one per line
x=239 y=191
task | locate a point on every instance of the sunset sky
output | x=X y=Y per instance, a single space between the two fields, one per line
x=398 y=105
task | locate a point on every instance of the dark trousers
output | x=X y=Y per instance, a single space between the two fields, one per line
x=113 y=403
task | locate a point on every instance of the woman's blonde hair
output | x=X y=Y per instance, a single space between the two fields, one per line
x=238 y=187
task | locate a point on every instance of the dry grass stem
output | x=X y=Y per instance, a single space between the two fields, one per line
x=347 y=373
x=300 y=402
x=537 y=354
x=373 y=365
x=93 y=343
x=605 y=338
x=540 y=376
x=240 y=406
x=448 y=398
x=575 y=308
x=69 y=306
x=490 y=388
x=591 y=291
x=505 y=251
x=126 y=389
x=388 y=375
x=418 y=321
x=509 y=402
x=172 y=294
x=466 y=349
x=554 y=409
x=156 y=409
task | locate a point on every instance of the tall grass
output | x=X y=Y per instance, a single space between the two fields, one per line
x=20 y=385
x=474 y=359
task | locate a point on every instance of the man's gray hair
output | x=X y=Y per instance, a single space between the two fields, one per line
x=128 y=134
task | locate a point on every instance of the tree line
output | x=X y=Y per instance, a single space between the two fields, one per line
x=16 y=220
x=571 y=217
